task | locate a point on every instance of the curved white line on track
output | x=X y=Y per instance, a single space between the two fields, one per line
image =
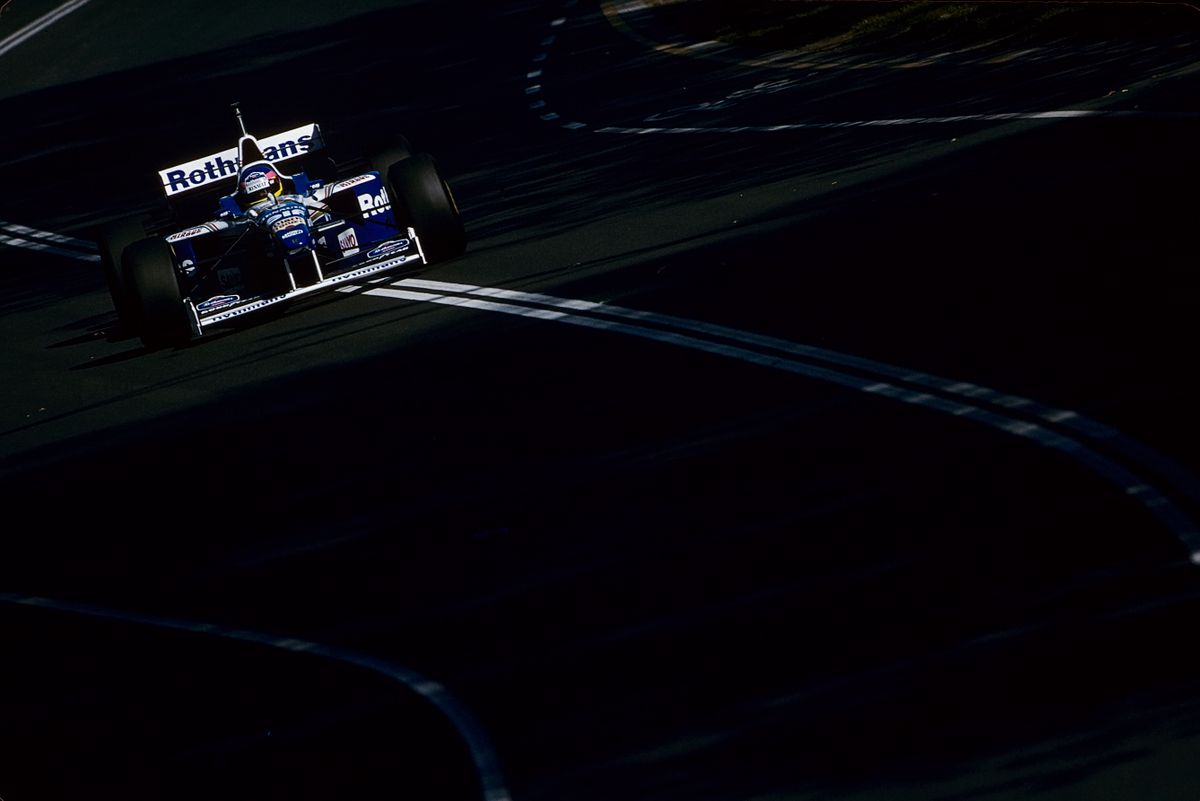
x=40 y=24
x=1042 y=425
x=481 y=750
x=879 y=373
x=1182 y=478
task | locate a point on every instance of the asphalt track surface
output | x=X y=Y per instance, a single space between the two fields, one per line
x=650 y=557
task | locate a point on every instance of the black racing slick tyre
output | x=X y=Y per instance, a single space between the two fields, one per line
x=149 y=267
x=398 y=150
x=112 y=241
x=427 y=203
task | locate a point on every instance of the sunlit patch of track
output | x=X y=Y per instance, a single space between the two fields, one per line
x=616 y=10
x=540 y=103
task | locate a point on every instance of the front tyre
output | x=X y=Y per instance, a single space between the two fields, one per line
x=149 y=268
x=426 y=201
x=112 y=241
x=398 y=150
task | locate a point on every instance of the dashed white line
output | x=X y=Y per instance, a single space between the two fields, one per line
x=46 y=247
x=24 y=230
x=540 y=58
x=46 y=242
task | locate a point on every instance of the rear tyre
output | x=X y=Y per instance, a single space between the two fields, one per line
x=149 y=267
x=427 y=203
x=112 y=241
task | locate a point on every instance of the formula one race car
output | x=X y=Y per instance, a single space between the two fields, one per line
x=275 y=236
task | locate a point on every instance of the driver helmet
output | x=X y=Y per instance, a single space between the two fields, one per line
x=258 y=184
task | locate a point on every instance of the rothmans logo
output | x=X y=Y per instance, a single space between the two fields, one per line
x=209 y=169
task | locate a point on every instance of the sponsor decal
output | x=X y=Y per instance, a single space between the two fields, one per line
x=388 y=248
x=340 y=185
x=181 y=178
x=210 y=169
x=286 y=149
x=374 y=204
x=287 y=222
x=258 y=180
x=287 y=216
x=290 y=234
x=216 y=302
x=189 y=233
x=347 y=239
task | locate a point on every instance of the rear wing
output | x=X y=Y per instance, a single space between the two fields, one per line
x=207 y=172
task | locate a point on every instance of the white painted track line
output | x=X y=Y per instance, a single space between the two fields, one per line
x=1112 y=438
x=46 y=247
x=40 y=24
x=24 y=230
x=878 y=378
x=632 y=322
x=22 y=236
x=482 y=753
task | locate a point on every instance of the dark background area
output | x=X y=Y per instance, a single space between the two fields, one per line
x=650 y=572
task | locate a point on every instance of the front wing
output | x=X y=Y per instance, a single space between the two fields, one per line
x=200 y=321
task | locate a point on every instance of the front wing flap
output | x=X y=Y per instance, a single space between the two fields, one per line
x=385 y=256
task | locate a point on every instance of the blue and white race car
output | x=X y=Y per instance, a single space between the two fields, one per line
x=274 y=236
